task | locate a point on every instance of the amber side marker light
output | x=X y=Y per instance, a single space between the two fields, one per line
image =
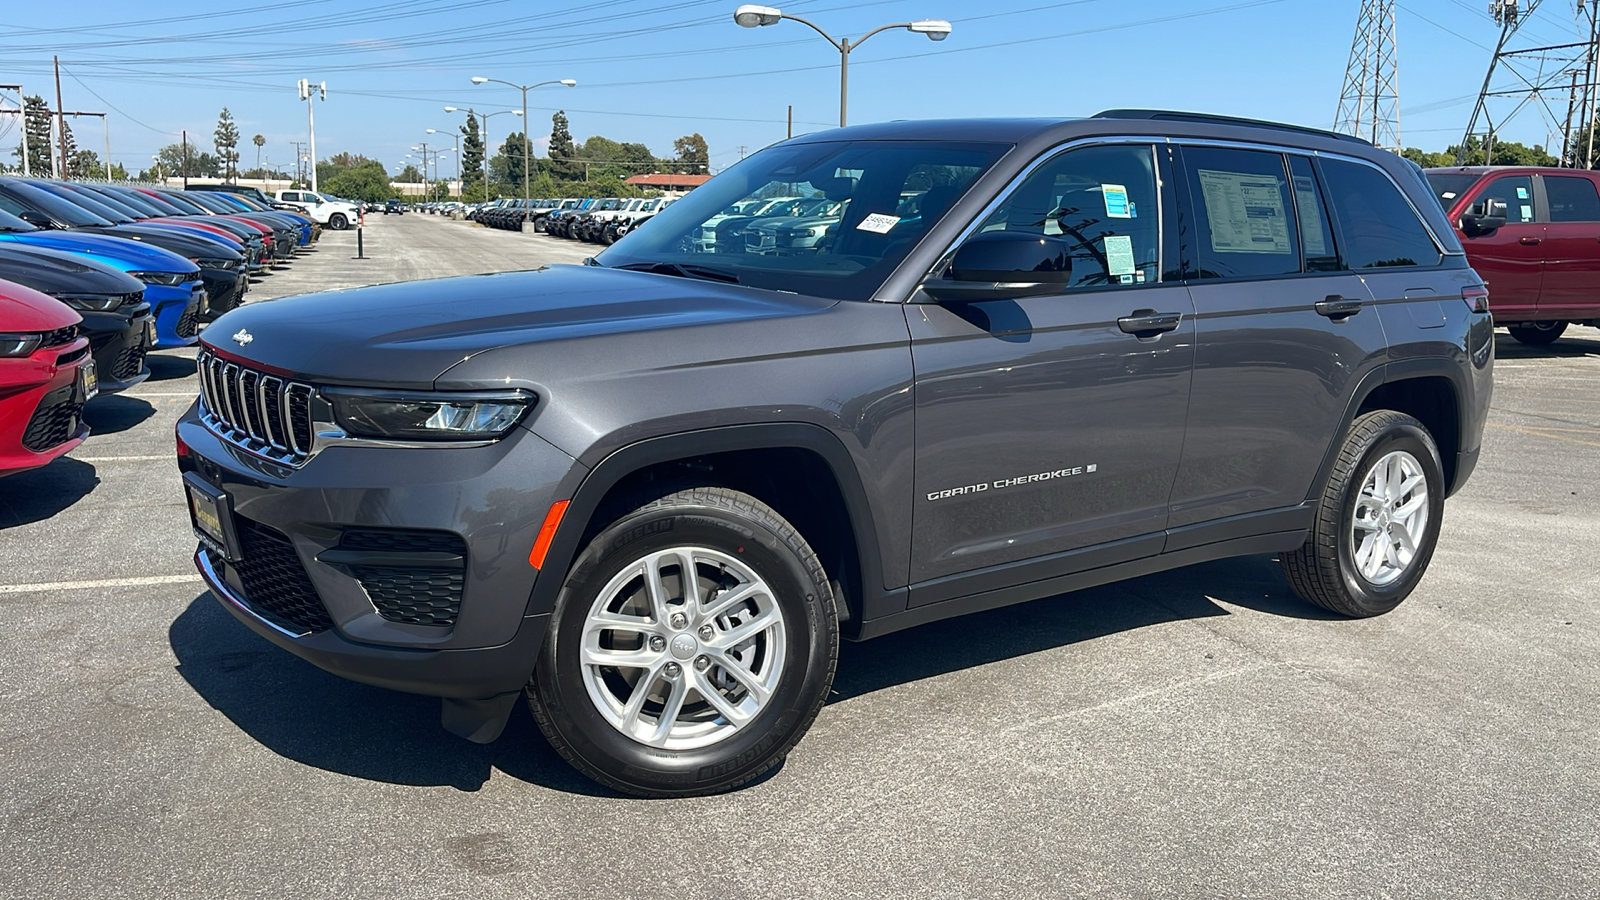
x=547 y=533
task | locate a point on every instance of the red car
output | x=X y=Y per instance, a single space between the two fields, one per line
x=1534 y=235
x=46 y=375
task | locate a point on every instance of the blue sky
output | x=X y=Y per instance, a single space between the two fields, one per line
x=652 y=70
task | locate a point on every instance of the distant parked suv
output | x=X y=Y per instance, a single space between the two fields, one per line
x=652 y=492
x=1534 y=236
x=324 y=210
x=394 y=206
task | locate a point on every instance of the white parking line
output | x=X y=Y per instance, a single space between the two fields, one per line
x=107 y=459
x=166 y=394
x=102 y=583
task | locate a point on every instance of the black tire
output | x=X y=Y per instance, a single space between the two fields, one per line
x=338 y=222
x=1537 y=334
x=741 y=527
x=1323 y=570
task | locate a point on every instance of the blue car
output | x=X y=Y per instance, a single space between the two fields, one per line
x=243 y=204
x=172 y=283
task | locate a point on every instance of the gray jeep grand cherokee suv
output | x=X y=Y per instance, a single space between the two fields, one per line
x=1024 y=357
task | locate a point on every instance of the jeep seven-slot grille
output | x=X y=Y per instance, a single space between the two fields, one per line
x=265 y=414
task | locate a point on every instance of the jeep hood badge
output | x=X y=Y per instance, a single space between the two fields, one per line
x=243 y=337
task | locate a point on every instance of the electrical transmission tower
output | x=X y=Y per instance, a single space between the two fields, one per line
x=1545 y=78
x=1369 y=106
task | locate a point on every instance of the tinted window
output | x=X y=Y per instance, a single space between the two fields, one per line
x=1311 y=214
x=1516 y=192
x=55 y=207
x=1572 y=199
x=1244 y=212
x=1103 y=201
x=1449 y=187
x=1378 y=226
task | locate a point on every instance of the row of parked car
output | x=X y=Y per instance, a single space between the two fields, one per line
x=94 y=276
x=599 y=220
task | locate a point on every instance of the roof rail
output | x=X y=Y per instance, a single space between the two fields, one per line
x=1172 y=116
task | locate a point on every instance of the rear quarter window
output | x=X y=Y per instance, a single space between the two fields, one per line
x=1379 y=227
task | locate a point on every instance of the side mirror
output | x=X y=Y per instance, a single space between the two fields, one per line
x=36 y=219
x=1482 y=218
x=1002 y=265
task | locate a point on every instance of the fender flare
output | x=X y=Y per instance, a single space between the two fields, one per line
x=620 y=463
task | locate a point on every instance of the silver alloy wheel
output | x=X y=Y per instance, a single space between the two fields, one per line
x=1391 y=517
x=680 y=669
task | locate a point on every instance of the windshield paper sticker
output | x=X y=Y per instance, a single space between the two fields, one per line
x=1116 y=196
x=1119 y=255
x=878 y=223
x=1246 y=212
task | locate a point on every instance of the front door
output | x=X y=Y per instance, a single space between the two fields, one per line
x=1510 y=258
x=1044 y=427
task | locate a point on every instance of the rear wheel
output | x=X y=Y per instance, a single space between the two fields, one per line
x=1378 y=521
x=1538 y=333
x=693 y=644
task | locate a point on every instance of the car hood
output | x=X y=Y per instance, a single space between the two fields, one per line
x=25 y=309
x=59 y=272
x=408 y=334
x=119 y=253
x=779 y=222
x=185 y=242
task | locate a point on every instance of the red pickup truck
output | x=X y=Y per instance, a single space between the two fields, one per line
x=1533 y=233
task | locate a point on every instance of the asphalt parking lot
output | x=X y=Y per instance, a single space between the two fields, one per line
x=1199 y=733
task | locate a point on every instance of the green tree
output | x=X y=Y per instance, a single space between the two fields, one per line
x=367 y=181
x=693 y=156
x=35 y=136
x=226 y=138
x=69 y=145
x=408 y=175
x=562 y=149
x=506 y=166
x=118 y=172
x=472 y=159
x=85 y=164
x=200 y=165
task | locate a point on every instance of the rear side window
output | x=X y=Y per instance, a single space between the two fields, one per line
x=1311 y=213
x=1380 y=229
x=1572 y=199
x=1246 y=213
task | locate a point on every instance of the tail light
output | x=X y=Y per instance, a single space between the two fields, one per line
x=1476 y=298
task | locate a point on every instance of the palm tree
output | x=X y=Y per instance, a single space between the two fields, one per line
x=260 y=142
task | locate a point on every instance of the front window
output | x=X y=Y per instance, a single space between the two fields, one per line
x=1449 y=187
x=831 y=219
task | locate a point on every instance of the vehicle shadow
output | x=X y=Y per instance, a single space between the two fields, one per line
x=1577 y=343
x=165 y=368
x=36 y=495
x=111 y=413
x=307 y=715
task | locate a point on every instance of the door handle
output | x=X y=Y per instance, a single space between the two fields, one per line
x=1149 y=323
x=1530 y=241
x=1337 y=308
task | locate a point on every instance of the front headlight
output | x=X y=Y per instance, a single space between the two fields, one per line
x=428 y=417
x=19 y=344
x=92 y=304
x=168 y=278
x=217 y=264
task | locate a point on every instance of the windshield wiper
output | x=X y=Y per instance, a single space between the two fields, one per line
x=704 y=273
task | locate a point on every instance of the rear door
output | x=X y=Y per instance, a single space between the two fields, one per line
x=1510 y=258
x=1571 y=287
x=1282 y=336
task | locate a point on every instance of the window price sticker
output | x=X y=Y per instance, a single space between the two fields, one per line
x=878 y=223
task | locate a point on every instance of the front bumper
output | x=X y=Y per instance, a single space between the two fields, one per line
x=225 y=290
x=120 y=341
x=177 y=311
x=41 y=406
x=491 y=500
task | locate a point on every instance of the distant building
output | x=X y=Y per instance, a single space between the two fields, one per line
x=669 y=183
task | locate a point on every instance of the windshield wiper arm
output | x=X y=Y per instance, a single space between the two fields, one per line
x=704 y=273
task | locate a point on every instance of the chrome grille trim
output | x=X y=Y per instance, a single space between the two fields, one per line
x=255 y=411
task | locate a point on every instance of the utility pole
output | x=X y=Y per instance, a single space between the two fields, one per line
x=1369 y=105
x=22 y=113
x=308 y=93
x=791 y=120
x=185 y=159
x=299 y=155
x=61 y=124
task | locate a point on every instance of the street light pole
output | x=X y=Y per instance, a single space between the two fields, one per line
x=527 y=149
x=752 y=16
x=308 y=92
x=457 y=136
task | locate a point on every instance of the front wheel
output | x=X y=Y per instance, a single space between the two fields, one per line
x=1538 y=334
x=1378 y=520
x=692 y=645
x=338 y=222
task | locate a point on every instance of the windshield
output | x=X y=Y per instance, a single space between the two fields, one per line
x=183 y=203
x=90 y=203
x=137 y=200
x=11 y=223
x=849 y=197
x=1449 y=186
x=113 y=201
x=56 y=208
